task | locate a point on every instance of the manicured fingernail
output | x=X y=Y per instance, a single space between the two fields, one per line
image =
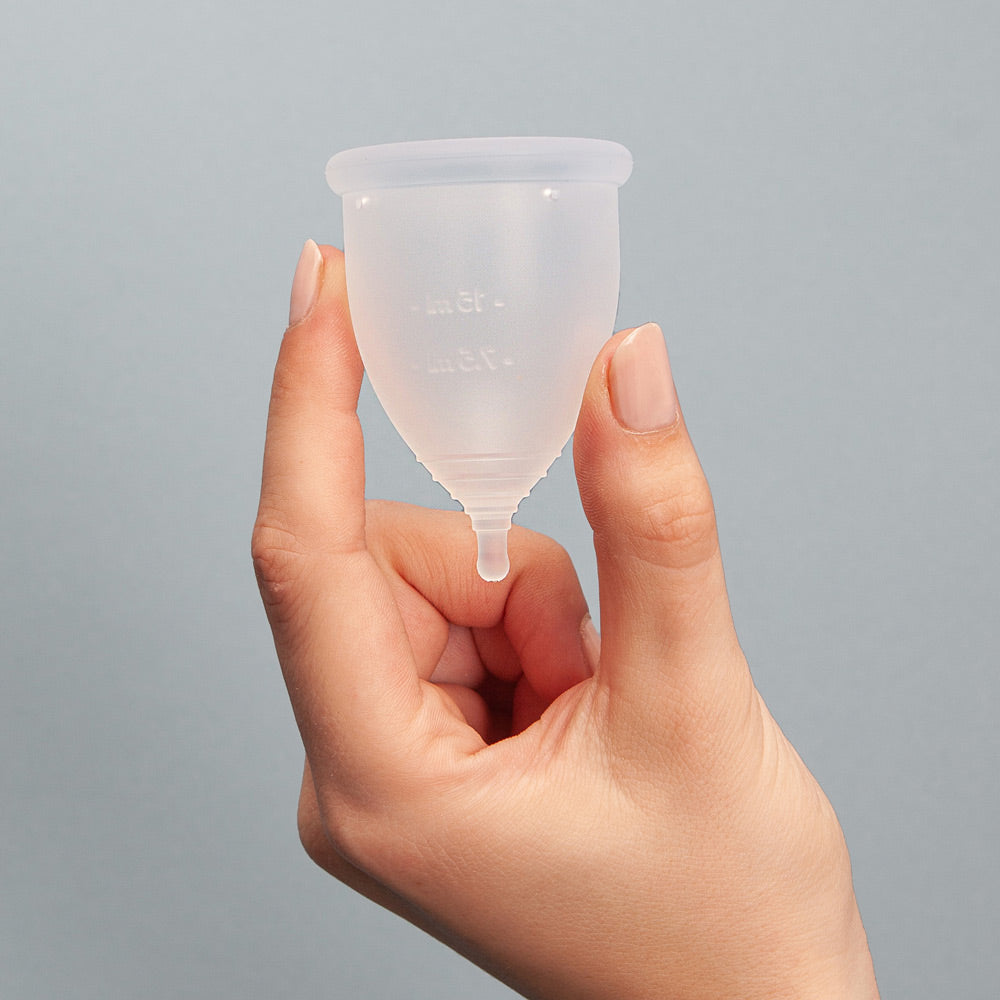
x=305 y=284
x=591 y=640
x=642 y=388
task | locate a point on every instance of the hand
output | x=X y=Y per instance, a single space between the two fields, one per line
x=583 y=817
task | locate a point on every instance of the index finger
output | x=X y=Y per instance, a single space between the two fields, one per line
x=314 y=450
x=339 y=638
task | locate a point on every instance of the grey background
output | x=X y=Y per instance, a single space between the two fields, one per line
x=813 y=219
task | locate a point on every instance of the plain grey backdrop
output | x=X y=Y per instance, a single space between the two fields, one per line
x=813 y=219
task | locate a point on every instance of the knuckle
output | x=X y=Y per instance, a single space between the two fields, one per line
x=380 y=823
x=277 y=560
x=330 y=823
x=363 y=834
x=652 y=501
x=312 y=832
x=677 y=528
x=334 y=835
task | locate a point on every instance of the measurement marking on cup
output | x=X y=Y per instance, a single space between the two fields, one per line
x=465 y=359
x=475 y=301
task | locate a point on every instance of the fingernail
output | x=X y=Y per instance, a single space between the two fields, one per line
x=642 y=388
x=591 y=640
x=305 y=284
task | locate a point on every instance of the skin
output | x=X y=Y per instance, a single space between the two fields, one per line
x=583 y=818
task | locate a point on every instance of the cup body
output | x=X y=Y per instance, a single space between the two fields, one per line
x=480 y=298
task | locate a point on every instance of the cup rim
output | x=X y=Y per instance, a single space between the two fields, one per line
x=480 y=160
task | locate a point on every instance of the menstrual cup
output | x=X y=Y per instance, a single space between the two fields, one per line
x=482 y=277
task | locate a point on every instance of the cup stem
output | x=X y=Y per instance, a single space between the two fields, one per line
x=491 y=528
x=492 y=563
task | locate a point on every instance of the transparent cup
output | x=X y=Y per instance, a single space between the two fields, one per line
x=482 y=276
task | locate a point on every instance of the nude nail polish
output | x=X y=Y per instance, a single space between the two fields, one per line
x=305 y=284
x=642 y=388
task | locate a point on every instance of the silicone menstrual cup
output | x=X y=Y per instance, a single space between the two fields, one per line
x=482 y=276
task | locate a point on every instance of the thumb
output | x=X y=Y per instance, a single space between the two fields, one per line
x=665 y=618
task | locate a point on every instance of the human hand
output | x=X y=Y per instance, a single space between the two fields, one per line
x=582 y=817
